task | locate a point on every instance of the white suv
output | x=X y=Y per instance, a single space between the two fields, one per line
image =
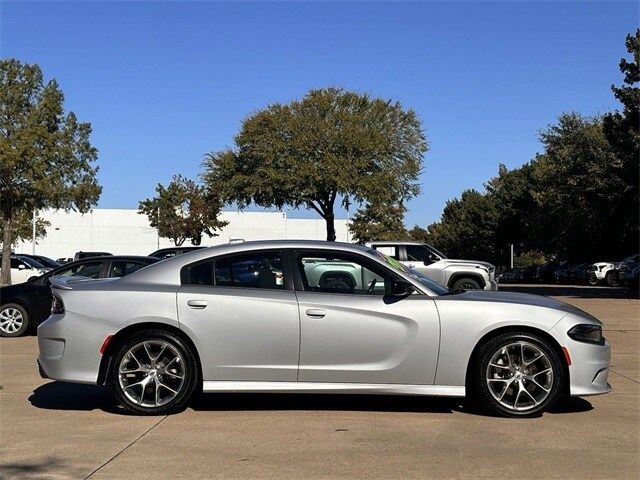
x=455 y=274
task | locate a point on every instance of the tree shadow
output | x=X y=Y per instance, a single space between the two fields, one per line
x=43 y=468
x=576 y=291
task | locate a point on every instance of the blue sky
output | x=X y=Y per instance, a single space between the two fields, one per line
x=164 y=83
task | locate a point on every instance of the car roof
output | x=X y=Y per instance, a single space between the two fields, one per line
x=397 y=242
x=168 y=270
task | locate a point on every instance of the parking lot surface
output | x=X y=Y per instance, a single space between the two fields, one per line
x=54 y=430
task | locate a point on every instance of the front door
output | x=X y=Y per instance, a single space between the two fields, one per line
x=242 y=313
x=352 y=332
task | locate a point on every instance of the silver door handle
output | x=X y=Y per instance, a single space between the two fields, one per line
x=316 y=312
x=197 y=304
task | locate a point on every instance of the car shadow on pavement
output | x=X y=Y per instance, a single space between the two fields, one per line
x=74 y=396
x=69 y=396
x=576 y=291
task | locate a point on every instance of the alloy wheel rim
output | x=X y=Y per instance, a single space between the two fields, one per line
x=11 y=320
x=152 y=373
x=467 y=286
x=520 y=376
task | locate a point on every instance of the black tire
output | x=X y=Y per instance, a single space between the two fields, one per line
x=8 y=310
x=466 y=283
x=479 y=389
x=593 y=280
x=189 y=364
x=612 y=279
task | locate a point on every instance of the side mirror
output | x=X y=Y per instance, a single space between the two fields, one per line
x=431 y=258
x=21 y=266
x=398 y=288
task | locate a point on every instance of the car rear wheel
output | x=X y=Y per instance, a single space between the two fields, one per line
x=612 y=279
x=154 y=373
x=518 y=375
x=14 y=320
x=466 y=284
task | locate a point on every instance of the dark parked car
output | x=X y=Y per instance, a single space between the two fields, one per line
x=546 y=272
x=28 y=304
x=42 y=260
x=81 y=255
x=628 y=270
x=172 y=252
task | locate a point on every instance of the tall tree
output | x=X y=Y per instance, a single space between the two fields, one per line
x=331 y=145
x=183 y=210
x=622 y=129
x=46 y=158
x=379 y=221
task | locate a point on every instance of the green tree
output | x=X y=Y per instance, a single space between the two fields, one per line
x=331 y=145
x=622 y=129
x=46 y=158
x=22 y=226
x=379 y=221
x=183 y=210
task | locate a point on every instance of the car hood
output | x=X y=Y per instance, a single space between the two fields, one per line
x=474 y=263
x=519 y=299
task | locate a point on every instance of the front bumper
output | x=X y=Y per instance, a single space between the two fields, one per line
x=491 y=284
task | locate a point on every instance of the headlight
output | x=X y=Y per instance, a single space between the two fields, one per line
x=587 y=333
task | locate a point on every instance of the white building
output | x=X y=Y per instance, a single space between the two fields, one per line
x=121 y=231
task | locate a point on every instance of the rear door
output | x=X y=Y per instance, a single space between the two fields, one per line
x=243 y=315
x=352 y=332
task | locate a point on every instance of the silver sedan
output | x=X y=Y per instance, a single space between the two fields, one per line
x=300 y=316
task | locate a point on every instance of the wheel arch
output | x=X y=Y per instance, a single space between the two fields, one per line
x=518 y=328
x=106 y=363
x=455 y=276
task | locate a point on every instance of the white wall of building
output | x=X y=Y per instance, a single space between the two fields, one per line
x=121 y=231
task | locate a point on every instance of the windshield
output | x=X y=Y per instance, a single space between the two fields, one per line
x=437 y=252
x=31 y=262
x=435 y=287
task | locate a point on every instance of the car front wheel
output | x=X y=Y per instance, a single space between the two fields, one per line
x=154 y=373
x=518 y=374
x=466 y=284
x=14 y=320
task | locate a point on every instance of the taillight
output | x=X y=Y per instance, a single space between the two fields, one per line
x=57 y=306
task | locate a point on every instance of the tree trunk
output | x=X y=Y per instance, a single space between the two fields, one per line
x=5 y=266
x=331 y=228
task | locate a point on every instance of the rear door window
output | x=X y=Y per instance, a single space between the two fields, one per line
x=250 y=270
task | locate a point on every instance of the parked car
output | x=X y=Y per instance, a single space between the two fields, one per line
x=23 y=268
x=628 y=270
x=604 y=273
x=510 y=275
x=455 y=274
x=81 y=255
x=45 y=261
x=172 y=252
x=546 y=273
x=26 y=305
x=190 y=323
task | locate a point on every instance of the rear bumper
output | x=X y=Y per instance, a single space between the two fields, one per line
x=68 y=350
